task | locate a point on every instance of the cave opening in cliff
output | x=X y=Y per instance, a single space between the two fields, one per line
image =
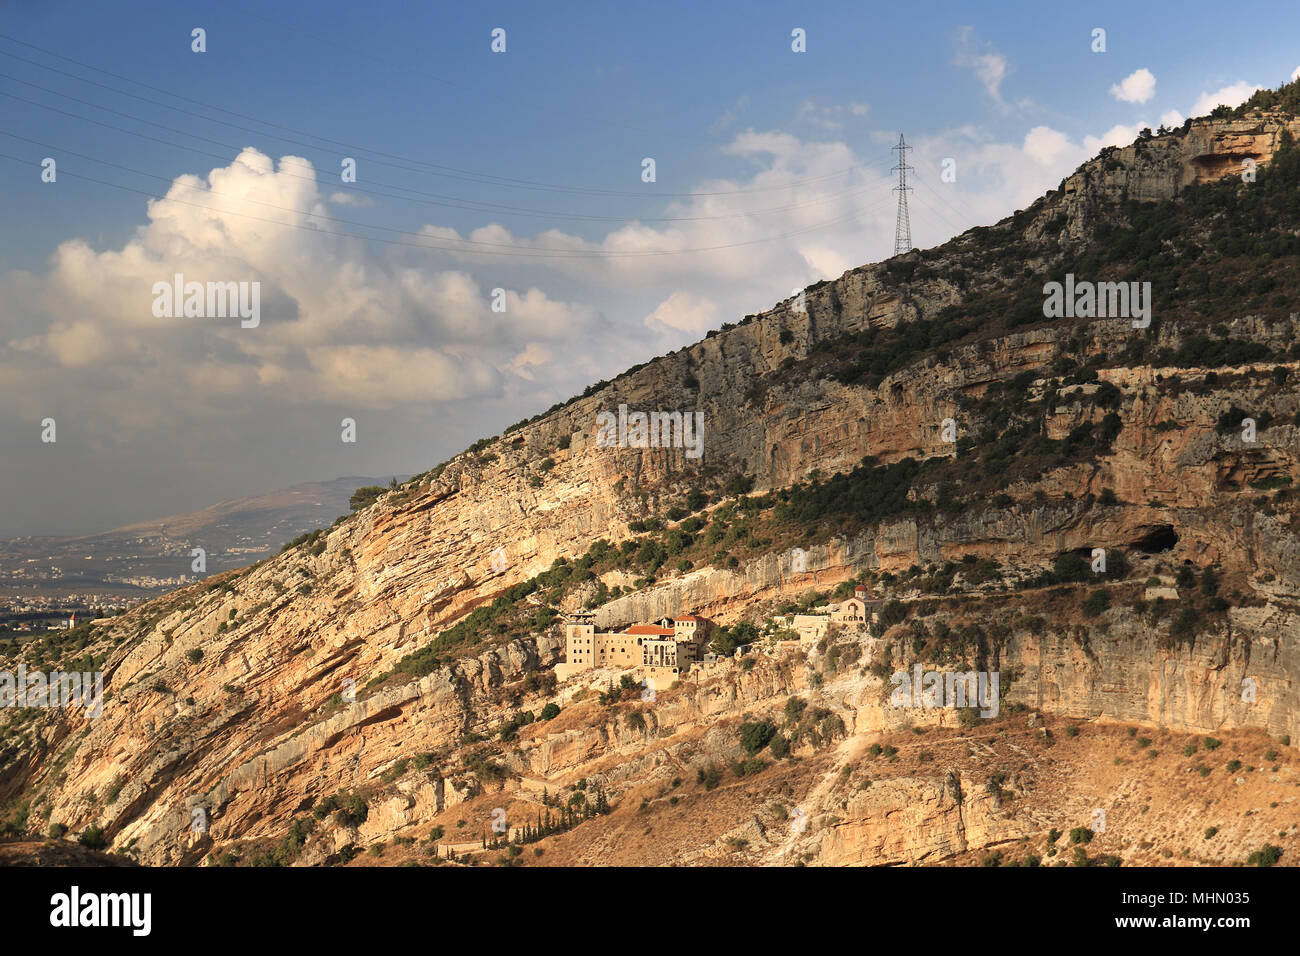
x=1157 y=539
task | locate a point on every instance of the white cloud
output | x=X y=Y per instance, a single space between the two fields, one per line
x=1120 y=134
x=350 y=199
x=1138 y=87
x=989 y=66
x=1232 y=95
x=1046 y=146
x=533 y=355
x=827 y=260
x=338 y=322
x=684 y=312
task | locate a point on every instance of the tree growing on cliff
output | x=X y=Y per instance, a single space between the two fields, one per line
x=756 y=734
x=365 y=497
x=727 y=639
x=1096 y=603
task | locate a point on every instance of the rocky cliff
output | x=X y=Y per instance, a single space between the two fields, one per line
x=250 y=699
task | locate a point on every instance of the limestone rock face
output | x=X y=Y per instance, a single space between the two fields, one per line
x=914 y=821
x=1161 y=167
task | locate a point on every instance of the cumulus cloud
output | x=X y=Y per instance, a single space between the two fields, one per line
x=1138 y=87
x=684 y=312
x=800 y=194
x=1172 y=118
x=338 y=322
x=533 y=355
x=1121 y=134
x=346 y=329
x=994 y=177
x=1046 y=146
x=1232 y=95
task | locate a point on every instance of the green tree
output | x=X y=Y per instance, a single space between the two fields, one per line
x=365 y=497
x=92 y=838
x=756 y=734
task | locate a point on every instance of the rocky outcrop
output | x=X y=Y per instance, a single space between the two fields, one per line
x=1163 y=166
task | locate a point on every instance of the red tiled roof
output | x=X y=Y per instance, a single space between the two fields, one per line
x=688 y=617
x=650 y=629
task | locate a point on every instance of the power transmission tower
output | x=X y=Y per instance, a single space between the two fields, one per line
x=903 y=225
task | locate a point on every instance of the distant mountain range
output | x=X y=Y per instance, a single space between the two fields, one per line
x=149 y=557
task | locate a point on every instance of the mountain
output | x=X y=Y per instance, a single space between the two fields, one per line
x=149 y=557
x=1098 y=510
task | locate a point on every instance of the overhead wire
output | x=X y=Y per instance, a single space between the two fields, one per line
x=419 y=196
x=422 y=196
x=434 y=168
x=531 y=253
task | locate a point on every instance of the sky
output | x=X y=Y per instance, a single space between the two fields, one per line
x=514 y=178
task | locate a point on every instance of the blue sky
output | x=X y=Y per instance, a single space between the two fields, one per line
x=775 y=163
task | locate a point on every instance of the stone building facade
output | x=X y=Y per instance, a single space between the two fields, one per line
x=666 y=648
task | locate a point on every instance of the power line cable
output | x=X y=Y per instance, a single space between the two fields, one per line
x=438 y=199
x=542 y=254
x=956 y=229
x=435 y=168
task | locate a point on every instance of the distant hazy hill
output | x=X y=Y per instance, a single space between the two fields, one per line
x=256 y=517
x=152 y=555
